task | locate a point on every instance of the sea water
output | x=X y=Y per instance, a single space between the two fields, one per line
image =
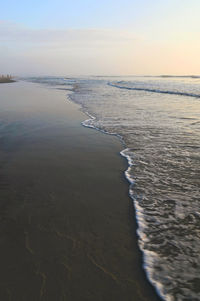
x=158 y=120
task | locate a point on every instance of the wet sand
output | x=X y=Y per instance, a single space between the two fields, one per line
x=6 y=80
x=67 y=229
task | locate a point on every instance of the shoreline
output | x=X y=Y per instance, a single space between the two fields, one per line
x=67 y=205
x=88 y=124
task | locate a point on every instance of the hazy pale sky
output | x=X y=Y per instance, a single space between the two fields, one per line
x=85 y=37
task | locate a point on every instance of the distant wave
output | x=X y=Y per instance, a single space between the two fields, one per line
x=180 y=76
x=155 y=90
x=171 y=76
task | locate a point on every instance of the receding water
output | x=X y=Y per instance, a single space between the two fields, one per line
x=158 y=119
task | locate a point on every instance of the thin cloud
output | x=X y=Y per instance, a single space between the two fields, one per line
x=13 y=33
x=53 y=51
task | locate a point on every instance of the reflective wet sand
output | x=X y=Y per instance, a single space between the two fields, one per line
x=66 y=223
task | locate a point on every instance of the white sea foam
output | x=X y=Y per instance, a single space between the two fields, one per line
x=157 y=175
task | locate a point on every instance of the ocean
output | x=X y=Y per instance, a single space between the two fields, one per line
x=158 y=122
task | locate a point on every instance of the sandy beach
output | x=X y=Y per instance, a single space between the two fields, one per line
x=4 y=79
x=67 y=229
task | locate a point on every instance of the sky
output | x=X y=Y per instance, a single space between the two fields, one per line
x=88 y=37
